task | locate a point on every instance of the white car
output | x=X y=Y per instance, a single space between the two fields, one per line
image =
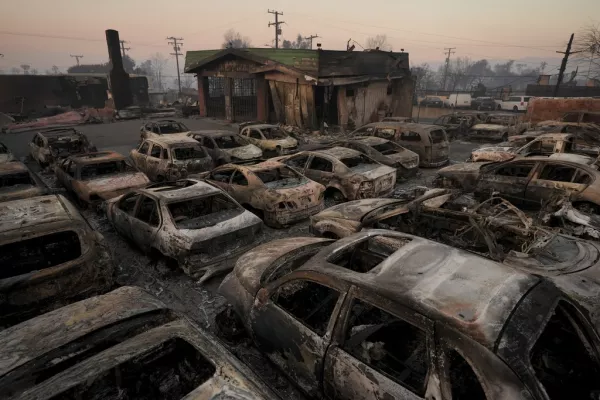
x=514 y=103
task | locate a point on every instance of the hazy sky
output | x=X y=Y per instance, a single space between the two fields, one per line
x=499 y=29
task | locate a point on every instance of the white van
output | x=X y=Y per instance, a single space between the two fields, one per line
x=458 y=100
x=514 y=103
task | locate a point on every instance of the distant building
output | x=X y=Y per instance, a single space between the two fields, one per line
x=302 y=87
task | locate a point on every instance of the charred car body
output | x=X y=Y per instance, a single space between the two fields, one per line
x=189 y=222
x=5 y=154
x=382 y=314
x=162 y=127
x=227 y=147
x=527 y=182
x=430 y=142
x=346 y=173
x=48 y=256
x=543 y=145
x=277 y=193
x=497 y=127
x=17 y=181
x=459 y=123
x=95 y=177
x=170 y=158
x=124 y=344
x=385 y=152
x=51 y=145
x=271 y=139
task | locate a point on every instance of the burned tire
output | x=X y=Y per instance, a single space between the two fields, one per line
x=515 y=108
x=333 y=196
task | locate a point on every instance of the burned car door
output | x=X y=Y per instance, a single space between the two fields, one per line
x=552 y=180
x=292 y=321
x=153 y=162
x=238 y=188
x=139 y=156
x=377 y=354
x=298 y=162
x=221 y=177
x=66 y=173
x=320 y=169
x=509 y=179
x=124 y=212
x=146 y=223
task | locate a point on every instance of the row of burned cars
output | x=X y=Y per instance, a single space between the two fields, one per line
x=446 y=293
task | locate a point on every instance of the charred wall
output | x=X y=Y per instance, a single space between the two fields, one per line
x=293 y=103
x=547 y=109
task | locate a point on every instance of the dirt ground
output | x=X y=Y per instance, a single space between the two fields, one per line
x=199 y=302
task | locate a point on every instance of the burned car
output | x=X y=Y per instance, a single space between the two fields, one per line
x=382 y=315
x=49 y=255
x=170 y=158
x=346 y=173
x=271 y=139
x=95 y=177
x=5 y=154
x=17 y=181
x=430 y=142
x=125 y=344
x=527 y=182
x=51 y=145
x=190 y=223
x=162 y=127
x=278 y=194
x=543 y=145
x=459 y=123
x=227 y=147
x=488 y=132
x=385 y=152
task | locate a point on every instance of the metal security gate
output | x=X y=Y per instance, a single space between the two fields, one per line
x=215 y=103
x=244 y=99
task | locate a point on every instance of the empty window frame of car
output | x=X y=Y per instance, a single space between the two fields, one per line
x=188 y=153
x=273 y=133
x=464 y=383
x=279 y=177
x=410 y=136
x=387 y=148
x=321 y=164
x=203 y=211
x=40 y=252
x=148 y=212
x=520 y=170
x=20 y=178
x=388 y=344
x=91 y=171
x=144 y=148
x=558 y=173
x=229 y=142
x=564 y=358
x=387 y=133
x=358 y=163
x=309 y=302
x=172 y=127
x=368 y=253
x=437 y=136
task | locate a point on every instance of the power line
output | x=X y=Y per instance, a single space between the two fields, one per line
x=123 y=48
x=77 y=57
x=176 y=47
x=563 y=64
x=276 y=24
x=311 y=37
x=450 y=52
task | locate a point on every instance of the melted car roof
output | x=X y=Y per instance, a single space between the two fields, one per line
x=169 y=192
x=339 y=152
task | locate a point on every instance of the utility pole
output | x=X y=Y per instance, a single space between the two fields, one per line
x=123 y=48
x=563 y=65
x=77 y=57
x=177 y=48
x=276 y=24
x=311 y=37
x=450 y=52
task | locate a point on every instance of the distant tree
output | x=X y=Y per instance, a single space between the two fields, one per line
x=25 y=68
x=55 y=70
x=187 y=81
x=90 y=69
x=34 y=71
x=378 y=41
x=128 y=64
x=15 y=71
x=588 y=43
x=233 y=39
x=158 y=62
x=299 y=43
x=426 y=79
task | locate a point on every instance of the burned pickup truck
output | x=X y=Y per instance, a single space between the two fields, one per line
x=190 y=223
x=49 y=256
x=387 y=315
x=51 y=145
x=278 y=194
x=123 y=345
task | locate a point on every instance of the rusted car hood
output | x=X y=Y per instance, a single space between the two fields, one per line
x=250 y=267
x=354 y=210
x=20 y=192
x=286 y=143
x=244 y=220
x=247 y=152
x=489 y=127
x=112 y=186
x=493 y=153
x=406 y=158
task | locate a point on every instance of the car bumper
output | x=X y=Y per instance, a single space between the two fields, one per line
x=436 y=162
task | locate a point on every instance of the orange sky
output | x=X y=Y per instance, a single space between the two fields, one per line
x=499 y=30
